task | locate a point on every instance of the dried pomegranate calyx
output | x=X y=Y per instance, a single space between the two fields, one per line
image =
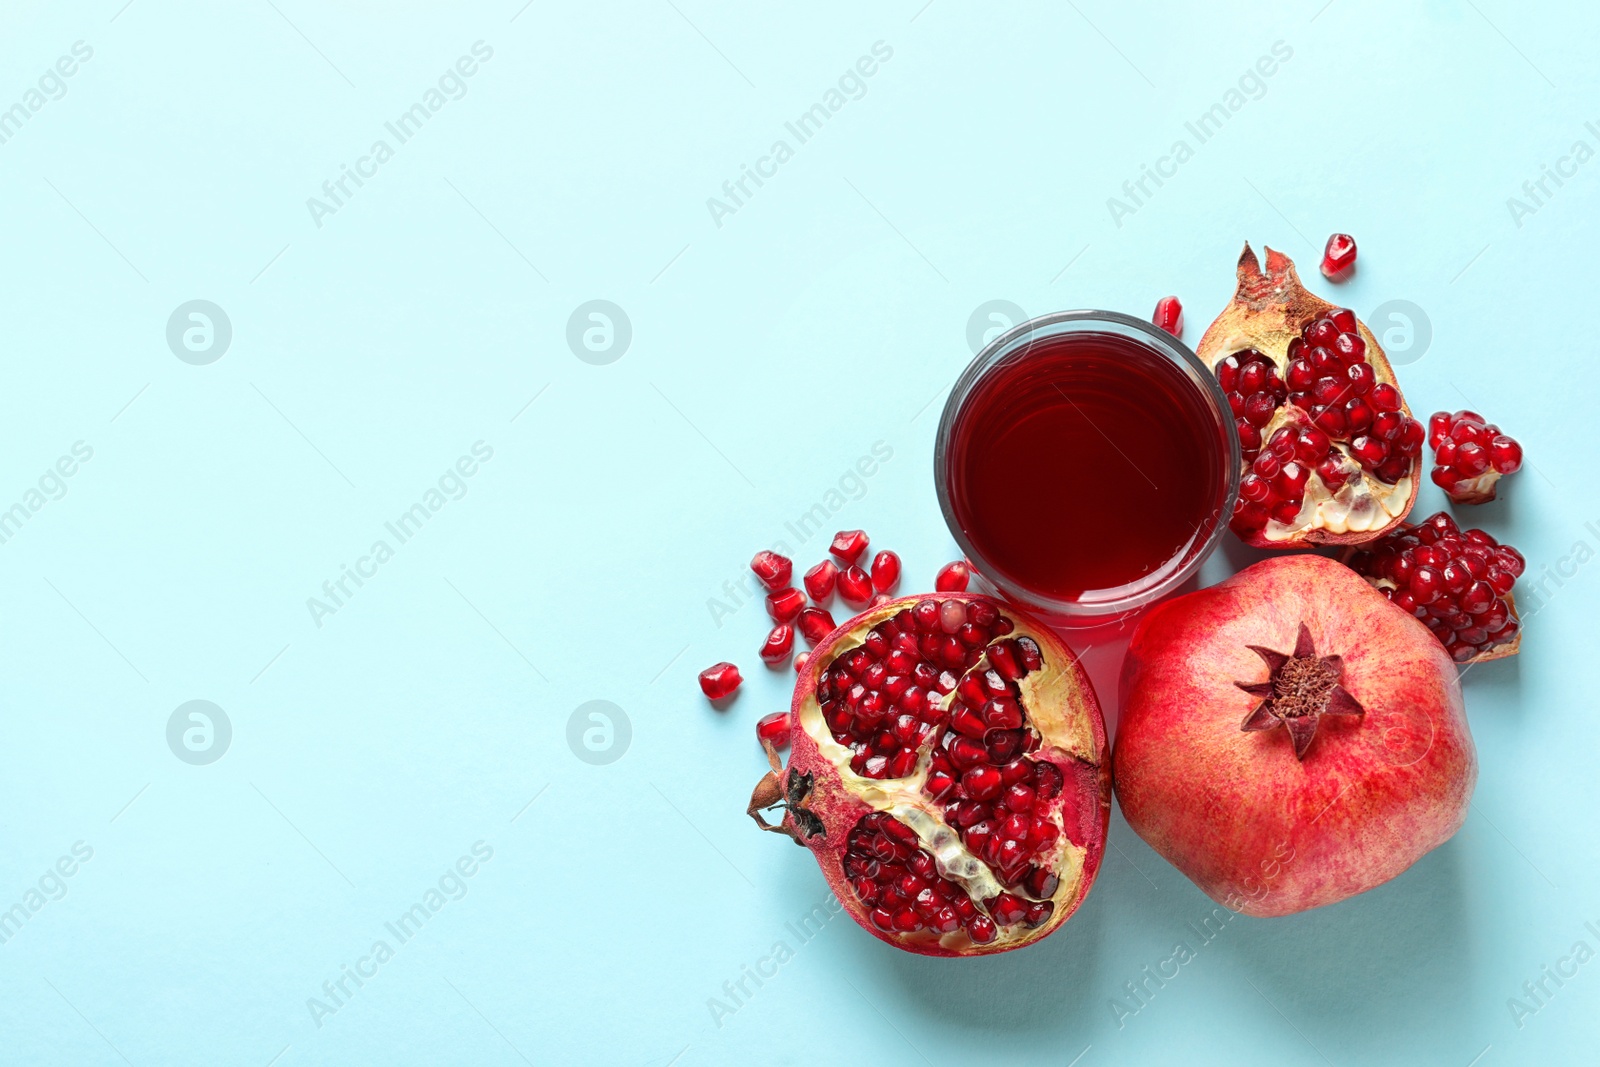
x=773 y=791
x=1301 y=687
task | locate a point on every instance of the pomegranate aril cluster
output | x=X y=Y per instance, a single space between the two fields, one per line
x=1254 y=392
x=1465 y=449
x=997 y=798
x=1274 y=487
x=1455 y=581
x=884 y=698
x=901 y=884
x=1330 y=379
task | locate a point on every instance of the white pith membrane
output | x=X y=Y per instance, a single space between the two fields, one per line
x=1050 y=697
x=1475 y=487
x=1363 y=505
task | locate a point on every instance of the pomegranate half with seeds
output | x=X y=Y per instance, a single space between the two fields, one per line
x=1331 y=452
x=948 y=771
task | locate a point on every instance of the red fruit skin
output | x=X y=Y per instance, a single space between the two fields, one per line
x=1258 y=830
x=840 y=810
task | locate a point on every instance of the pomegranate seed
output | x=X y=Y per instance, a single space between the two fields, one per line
x=820 y=579
x=1169 y=315
x=779 y=643
x=848 y=545
x=1339 y=256
x=854 y=585
x=952 y=577
x=815 y=624
x=1007 y=909
x=719 y=680
x=772 y=569
x=1369 y=450
x=885 y=571
x=1384 y=397
x=1040 y=882
x=880 y=599
x=1506 y=454
x=981 y=783
x=774 y=729
x=785 y=604
x=800 y=661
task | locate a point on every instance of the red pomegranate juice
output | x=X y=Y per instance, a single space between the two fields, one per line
x=1085 y=462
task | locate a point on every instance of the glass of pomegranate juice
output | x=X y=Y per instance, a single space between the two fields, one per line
x=1086 y=464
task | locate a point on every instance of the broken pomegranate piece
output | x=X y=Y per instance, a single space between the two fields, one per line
x=949 y=774
x=1457 y=582
x=1470 y=456
x=1331 y=453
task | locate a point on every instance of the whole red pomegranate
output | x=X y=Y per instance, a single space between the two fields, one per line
x=948 y=771
x=1290 y=738
x=1331 y=452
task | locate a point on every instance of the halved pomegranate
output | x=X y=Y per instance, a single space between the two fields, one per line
x=948 y=770
x=1331 y=451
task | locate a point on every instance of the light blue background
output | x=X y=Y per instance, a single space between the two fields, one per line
x=768 y=354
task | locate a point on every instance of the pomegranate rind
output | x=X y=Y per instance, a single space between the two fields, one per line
x=1266 y=313
x=1258 y=830
x=1062 y=706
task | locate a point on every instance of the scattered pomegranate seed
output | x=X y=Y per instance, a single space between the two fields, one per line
x=1456 y=582
x=848 y=545
x=1169 y=315
x=1339 y=256
x=820 y=579
x=854 y=585
x=774 y=729
x=1470 y=455
x=815 y=624
x=772 y=569
x=880 y=599
x=952 y=577
x=718 y=680
x=885 y=571
x=785 y=604
x=776 y=648
x=800 y=661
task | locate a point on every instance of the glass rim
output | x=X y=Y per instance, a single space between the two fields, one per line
x=1118 y=600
